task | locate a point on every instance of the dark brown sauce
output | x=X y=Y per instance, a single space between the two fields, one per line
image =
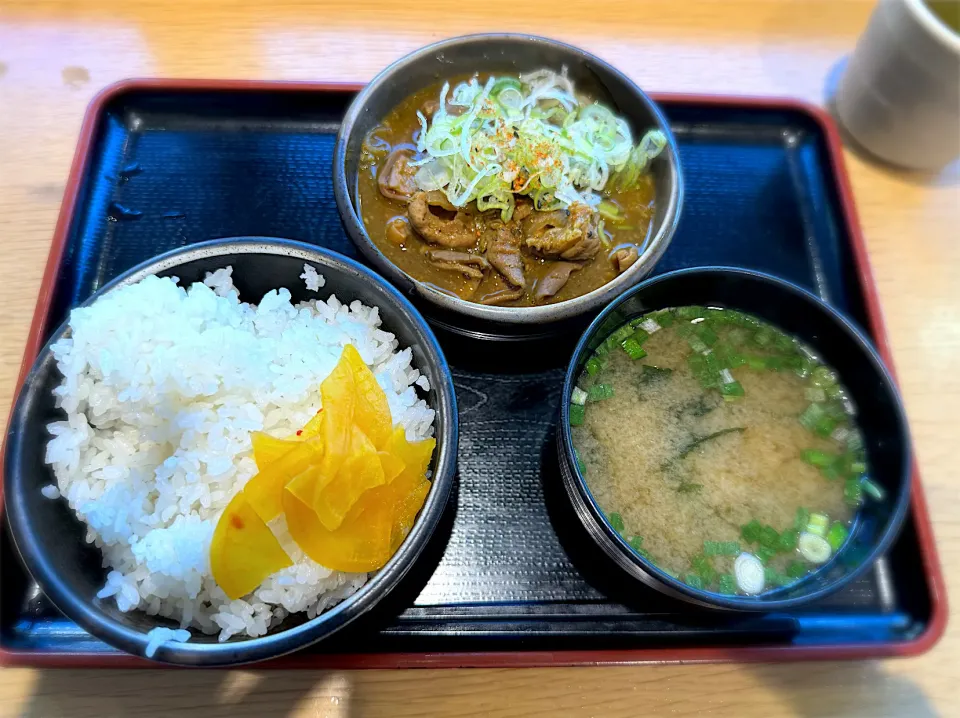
x=409 y=253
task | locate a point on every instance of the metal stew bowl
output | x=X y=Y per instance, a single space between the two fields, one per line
x=504 y=53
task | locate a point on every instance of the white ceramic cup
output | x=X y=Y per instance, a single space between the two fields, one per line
x=899 y=96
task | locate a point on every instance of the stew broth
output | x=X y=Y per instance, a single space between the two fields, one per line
x=381 y=215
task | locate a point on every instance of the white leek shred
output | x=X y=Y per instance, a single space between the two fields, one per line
x=531 y=137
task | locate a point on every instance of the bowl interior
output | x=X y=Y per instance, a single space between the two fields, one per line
x=879 y=415
x=509 y=54
x=51 y=538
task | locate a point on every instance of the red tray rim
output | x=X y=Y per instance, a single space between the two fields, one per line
x=510 y=659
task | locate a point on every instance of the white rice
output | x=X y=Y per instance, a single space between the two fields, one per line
x=312 y=279
x=161 y=389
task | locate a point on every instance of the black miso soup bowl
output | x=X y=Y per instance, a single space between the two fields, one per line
x=512 y=54
x=50 y=538
x=837 y=342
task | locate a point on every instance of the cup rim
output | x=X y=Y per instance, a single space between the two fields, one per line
x=931 y=22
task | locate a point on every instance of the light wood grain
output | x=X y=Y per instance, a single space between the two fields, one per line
x=55 y=55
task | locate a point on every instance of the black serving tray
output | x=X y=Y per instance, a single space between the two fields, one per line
x=507 y=580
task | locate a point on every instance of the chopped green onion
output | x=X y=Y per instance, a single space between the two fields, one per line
x=783 y=343
x=817 y=525
x=769 y=537
x=693 y=580
x=837 y=535
x=834 y=391
x=801 y=366
x=599 y=392
x=705 y=570
x=640 y=334
x=619 y=335
x=721 y=548
x=749 y=573
x=706 y=334
x=765 y=554
x=775 y=363
x=633 y=349
x=697 y=344
x=578 y=396
x=795 y=569
x=822 y=377
x=577 y=414
x=593 y=366
x=814 y=548
x=602 y=350
x=713 y=365
x=873 y=489
x=815 y=394
x=728 y=585
x=854 y=441
x=636 y=543
x=817 y=458
x=728 y=357
x=755 y=362
x=858 y=468
x=698 y=367
x=788 y=540
x=815 y=419
x=751 y=531
x=834 y=471
x=731 y=390
x=691 y=312
x=853 y=492
x=802 y=519
x=763 y=337
x=616 y=522
x=664 y=317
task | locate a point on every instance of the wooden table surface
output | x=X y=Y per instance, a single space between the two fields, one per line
x=55 y=55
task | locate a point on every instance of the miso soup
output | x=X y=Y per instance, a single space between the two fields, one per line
x=720 y=448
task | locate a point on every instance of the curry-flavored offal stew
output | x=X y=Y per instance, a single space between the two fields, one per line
x=720 y=448
x=512 y=191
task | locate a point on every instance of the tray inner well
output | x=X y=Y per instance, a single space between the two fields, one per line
x=508 y=569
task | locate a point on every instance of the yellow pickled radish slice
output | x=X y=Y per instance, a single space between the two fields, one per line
x=244 y=551
x=338 y=395
x=304 y=485
x=360 y=471
x=415 y=455
x=311 y=428
x=406 y=513
x=372 y=413
x=264 y=490
x=360 y=544
x=267 y=449
x=392 y=466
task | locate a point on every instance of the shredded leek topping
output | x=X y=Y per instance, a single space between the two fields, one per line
x=529 y=136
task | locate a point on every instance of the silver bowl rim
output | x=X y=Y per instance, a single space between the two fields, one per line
x=566 y=309
x=276 y=643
